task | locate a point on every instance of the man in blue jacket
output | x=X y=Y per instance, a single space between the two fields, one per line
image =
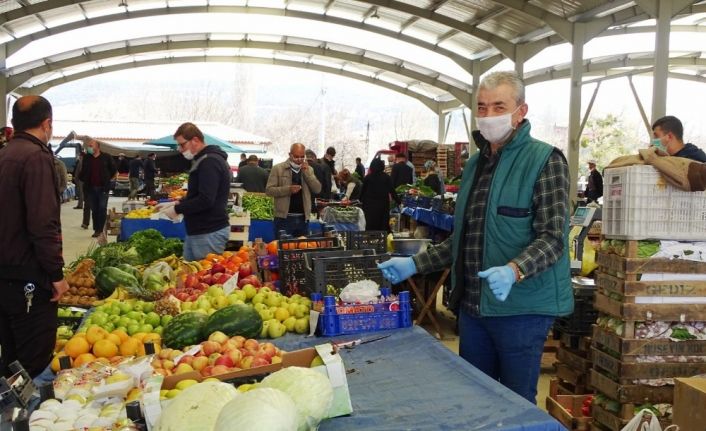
x=508 y=252
x=669 y=137
x=204 y=206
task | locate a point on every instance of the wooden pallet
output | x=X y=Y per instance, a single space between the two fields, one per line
x=628 y=348
x=626 y=392
x=565 y=408
x=645 y=370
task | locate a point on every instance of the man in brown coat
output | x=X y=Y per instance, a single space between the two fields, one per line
x=31 y=262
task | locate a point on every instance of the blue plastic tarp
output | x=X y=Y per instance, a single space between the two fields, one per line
x=411 y=381
x=166 y=227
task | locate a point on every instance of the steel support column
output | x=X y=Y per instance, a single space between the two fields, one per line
x=579 y=31
x=3 y=88
x=475 y=72
x=442 y=126
x=661 y=69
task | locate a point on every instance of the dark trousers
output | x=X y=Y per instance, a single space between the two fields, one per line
x=98 y=198
x=79 y=192
x=149 y=187
x=86 y=206
x=292 y=225
x=26 y=337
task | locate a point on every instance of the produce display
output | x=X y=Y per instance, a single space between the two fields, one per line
x=140 y=213
x=81 y=282
x=260 y=206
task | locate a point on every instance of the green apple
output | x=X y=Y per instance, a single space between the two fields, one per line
x=135 y=315
x=204 y=303
x=166 y=319
x=133 y=328
x=281 y=314
x=146 y=328
x=139 y=306
x=292 y=308
x=273 y=299
x=265 y=328
x=233 y=298
x=301 y=311
x=158 y=330
x=124 y=321
x=148 y=307
x=114 y=310
x=153 y=318
x=296 y=297
x=267 y=314
x=302 y=325
x=289 y=323
x=109 y=326
x=276 y=329
x=250 y=291
x=265 y=289
x=219 y=302
x=114 y=318
x=306 y=302
x=259 y=307
x=215 y=291
x=125 y=307
x=259 y=298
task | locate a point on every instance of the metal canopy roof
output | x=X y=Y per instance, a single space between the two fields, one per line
x=475 y=34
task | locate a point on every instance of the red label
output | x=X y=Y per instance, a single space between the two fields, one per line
x=354 y=309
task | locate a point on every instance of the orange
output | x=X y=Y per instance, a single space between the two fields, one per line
x=227 y=254
x=95 y=333
x=76 y=346
x=105 y=349
x=272 y=247
x=103 y=361
x=83 y=359
x=211 y=256
x=244 y=248
x=130 y=347
x=121 y=334
x=114 y=338
x=59 y=345
x=139 y=336
x=152 y=337
x=55 y=362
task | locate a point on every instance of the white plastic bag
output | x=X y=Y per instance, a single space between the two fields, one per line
x=162 y=269
x=363 y=291
x=641 y=423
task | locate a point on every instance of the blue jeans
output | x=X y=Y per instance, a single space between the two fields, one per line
x=292 y=225
x=508 y=349
x=98 y=199
x=196 y=247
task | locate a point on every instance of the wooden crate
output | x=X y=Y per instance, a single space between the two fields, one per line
x=631 y=288
x=640 y=312
x=575 y=359
x=648 y=370
x=628 y=348
x=239 y=227
x=607 y=420
x=575 y=382
x=627 y=393
x=567 y=410
x=629 y=267
x=581 y=343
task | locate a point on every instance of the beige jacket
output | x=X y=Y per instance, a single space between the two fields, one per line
x=278 y=187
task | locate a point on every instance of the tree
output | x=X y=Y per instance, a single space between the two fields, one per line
x=604 y=139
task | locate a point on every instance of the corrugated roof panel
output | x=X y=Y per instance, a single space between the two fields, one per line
x=421 y=33
x=326 y=62
x=304 y=41
x=60 y=16
x=424 y=4
x=8 y=5
x=279 y=55
x=145 y=40
x=187 y=36
x=253 y=52
x=360 y=69
x=511 y=25
x=567 y=8
x=381 y=57
x=268 y=3
x=24 y=26
x=346 y=48
x=228 y=2
x=182 y=3
x=134 y=5
x=394 y=79
x=98 y=8
x=306 y=5
x=222 y=51
x=466 y=10
x=465 y=44
x=458 y=47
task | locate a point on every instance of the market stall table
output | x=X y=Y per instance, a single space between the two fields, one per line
x=167 y=228
x=412 y=381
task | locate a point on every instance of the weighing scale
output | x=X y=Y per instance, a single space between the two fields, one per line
x=583 y=218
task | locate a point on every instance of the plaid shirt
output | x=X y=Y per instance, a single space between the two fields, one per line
x=551 y=204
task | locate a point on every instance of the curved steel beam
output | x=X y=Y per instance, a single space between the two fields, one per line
x=17 y=44
x=430 y=103
x=87 y=55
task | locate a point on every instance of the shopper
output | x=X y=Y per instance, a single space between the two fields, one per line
x=351 y=185
x=123 y=164
x=669 y=137
x=243 y=160
x=253 y=177
x=136 y=169
x=292 y=184
x=77 y=182
x=328 y=159
x=359 y=168
x=375 y=195
x=594 y=186
x=31 y=264
x=508 y=251
x=401 y=172
x=322 y=173
x=205 y=205
x=97 y=173
x=431 y=178
x=150 y=170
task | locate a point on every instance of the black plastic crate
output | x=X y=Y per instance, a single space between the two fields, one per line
x=580 y=321
x=362 y=240
x=409 y=201
x=338 y=269
x=291 y=262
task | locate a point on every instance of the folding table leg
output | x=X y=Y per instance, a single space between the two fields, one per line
x=429 y=301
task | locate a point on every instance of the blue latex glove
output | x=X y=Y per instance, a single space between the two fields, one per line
x=500 y=279
x=398 y=269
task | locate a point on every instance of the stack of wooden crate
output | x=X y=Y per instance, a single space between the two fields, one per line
x=626 y=367
x=240 y=227
x=115 y=218
x=441 y=159
x=573 y=366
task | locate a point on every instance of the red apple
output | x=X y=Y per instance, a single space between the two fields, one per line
x=268 y=349
x=219 y=369
x=224 y=360
x=202 y=287
x=245 y=270
x=259 y=361
x=235 y=355
x=200 y=363
x=210 y=347
x=182 y=296
x=228 y=345
x=191 y=280
x=251 y=344
x=213 y=357
x=186 y=359
x=239 y=340
x=208 y=279
x=207 y=370
x=247 y=362
x=219 y=337
x=222 y=279
x=217 y=267
x=245 y=352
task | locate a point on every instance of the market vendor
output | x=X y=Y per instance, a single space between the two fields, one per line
x=31 y=262
x=508 y=251
x=351 y=185
x=97 y=173
x=669 y=137
x=292 y=184
x=205 y=205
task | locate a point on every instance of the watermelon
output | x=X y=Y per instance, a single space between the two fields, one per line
x=184 y=330
x=238 y=319
x=111 y=277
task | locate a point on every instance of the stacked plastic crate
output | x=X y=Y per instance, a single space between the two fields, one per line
x=651 y=310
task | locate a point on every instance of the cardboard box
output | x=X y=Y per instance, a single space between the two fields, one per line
x=689 y=408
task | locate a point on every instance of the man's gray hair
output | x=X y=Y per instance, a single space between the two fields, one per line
x=508 y=77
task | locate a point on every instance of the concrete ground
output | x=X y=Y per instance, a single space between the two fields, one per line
x=78 y=240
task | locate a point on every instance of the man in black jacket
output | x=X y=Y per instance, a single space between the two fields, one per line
x=359 y=168
x=150 y=170
x=204 y=207
x=594 y=186
x=97 y=173
x=322 y=171
x=401 y=172
x=669 y=138
x=31 y=263
x=136 y=168
x=253 y=177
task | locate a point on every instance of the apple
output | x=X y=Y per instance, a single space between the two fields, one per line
x=258 y=298
x=213 y=357
x=186 y=359
x=302 y=325
x=272 y=299
x=251 y=344
x=289 y=323
x=265 y=289
x=296 y=297
x=301 y=311
x=217 y=267
x=245 y=352
x=183 y=368
x=174 y=353
x=259 y=307
x=207 y=370
x=168 y=364
x=281 y=314
x=191 y=280
x=219 y=337
x=276 y=360
x=265 y=328
x=267 y=349
x=267 y=315
x=222 y=279
x=210 y=347
x=219 y=302
x=156 y=363
x=235 y=355
x=239 y=340
x=248 y=289
x=259 y=361
x=200 y=363
x=219 y=369
x=245 y=270
x=247 y=362
x=224 y=360
x=164 y=353
x=277 y=329
x=208 y=278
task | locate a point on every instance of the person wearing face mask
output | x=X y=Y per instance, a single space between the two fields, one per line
x=31 y=262
x=205 y=205
x=292 y=184
x=508 y=252
x=668 y=138
x=97 y=172
x=594 y=186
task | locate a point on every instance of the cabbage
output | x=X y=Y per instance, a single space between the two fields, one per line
x=197 y=407
x=311 y=391
x=263 y=409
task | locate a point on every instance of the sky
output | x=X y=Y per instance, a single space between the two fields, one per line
x=276 y=85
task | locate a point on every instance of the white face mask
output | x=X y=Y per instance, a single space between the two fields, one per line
x=496 y=129
x=296 y=167
x=188 y=155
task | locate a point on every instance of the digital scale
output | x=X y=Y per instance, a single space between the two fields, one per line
x=583 y=218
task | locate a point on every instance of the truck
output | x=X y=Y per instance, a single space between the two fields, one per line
x=448 y=157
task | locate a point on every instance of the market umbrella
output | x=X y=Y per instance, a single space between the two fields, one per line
x=169 y=141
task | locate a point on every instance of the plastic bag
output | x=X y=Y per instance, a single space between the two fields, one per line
x=161 y=269
x=363 y=291
x=641 y=423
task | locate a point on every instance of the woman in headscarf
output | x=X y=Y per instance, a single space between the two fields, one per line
x=375 y=195
x=351 y=185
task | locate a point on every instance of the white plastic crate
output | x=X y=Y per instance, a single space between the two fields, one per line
x=639 y=204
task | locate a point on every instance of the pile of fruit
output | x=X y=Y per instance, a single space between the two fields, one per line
x=82 y=290
x=177 y=194
x=130 y=316
x=140 y=213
